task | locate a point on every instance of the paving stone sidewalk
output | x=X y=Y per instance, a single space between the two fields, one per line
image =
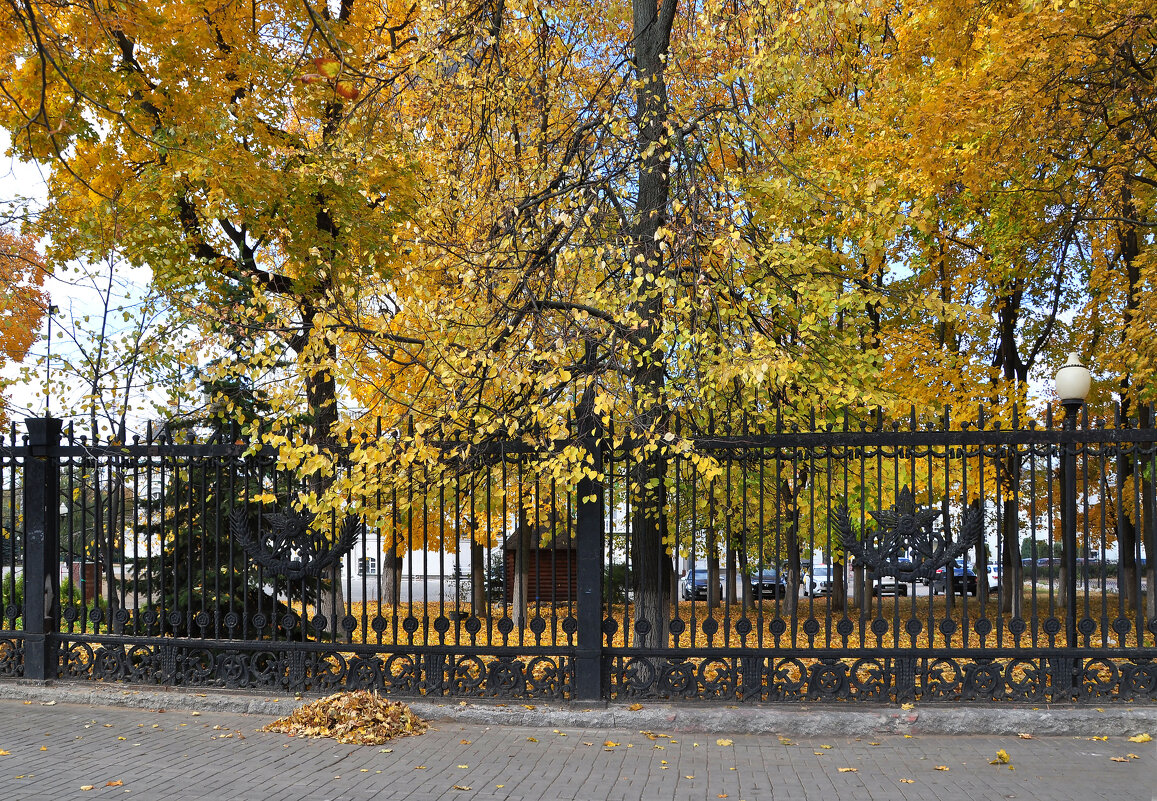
x=54 y=749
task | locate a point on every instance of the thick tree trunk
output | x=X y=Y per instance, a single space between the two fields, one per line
x=651 y=31
x=858 y=592
x=730 y=577
x=479 y=603
x=651 y=564
x=521 y=570
x=321 y=398
x=1010 y=541
x=788 y=502
x=391 y=577
x=838 y=600
x=1130 y=248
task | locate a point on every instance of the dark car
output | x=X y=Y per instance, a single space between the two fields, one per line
x=695 y=586
x=768 y=583
x=963 y=580
x=894 y=584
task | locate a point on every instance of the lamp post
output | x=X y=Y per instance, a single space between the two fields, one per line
x=1072 y=384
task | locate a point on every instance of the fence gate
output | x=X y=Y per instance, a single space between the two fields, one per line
x=858 y=561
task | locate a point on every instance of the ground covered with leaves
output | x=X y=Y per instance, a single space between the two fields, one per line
x=359 y=718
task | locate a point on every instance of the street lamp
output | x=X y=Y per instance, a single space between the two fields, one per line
x=1072 y=383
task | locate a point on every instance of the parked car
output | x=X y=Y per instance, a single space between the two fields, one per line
x=694 y=585
x=897 y=584
x=818 y=581
x=994 y=575
x=769 y=583
x=962 y=580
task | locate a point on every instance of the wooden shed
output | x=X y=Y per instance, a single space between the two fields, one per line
x=551 y=566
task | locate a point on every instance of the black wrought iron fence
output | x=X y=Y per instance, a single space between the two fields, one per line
x=858 y=560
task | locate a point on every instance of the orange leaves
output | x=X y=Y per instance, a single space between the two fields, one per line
x=328 y=70
x=328 y=67
x=359 y=718
x=22 y=302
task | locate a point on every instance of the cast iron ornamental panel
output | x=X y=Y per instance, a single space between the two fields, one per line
x=288 y=548
x=881 y=678
x=257 y=665
x=904 y=530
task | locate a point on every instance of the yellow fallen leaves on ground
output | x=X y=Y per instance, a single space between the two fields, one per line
x=724 y=741
x=1002 y=758
x=1125 y=758
x=356 y=718
x=1140 y=738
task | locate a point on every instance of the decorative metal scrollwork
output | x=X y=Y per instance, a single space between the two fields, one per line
x=907 y=530
x=290 y=548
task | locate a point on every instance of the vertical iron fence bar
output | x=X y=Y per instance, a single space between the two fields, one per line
x=225 y=508
x=410 y=542
x=689 y=583
x=680 y=529
x=862 y=579
x=1143 y=505
x=775 y=566
x=15 y=541
x=162 y=533
x=219 y=486
x=1083 y=574
x=840 y=585
x=728 y=594
x=250 y=474
x=588 y=668
x=1002 y=477
x=1147 y=503
x=41 y=533
x=1069 y=522
x=69 y=546
x=630 y=581
x=1051 y=512
x=203 y=546
x=847 y=456
x=1034 y=491
x=507 y=574
x=964 y=494
x=610 y=503
x=8 y=532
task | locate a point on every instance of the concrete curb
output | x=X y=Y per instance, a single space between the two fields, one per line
x=811 y=720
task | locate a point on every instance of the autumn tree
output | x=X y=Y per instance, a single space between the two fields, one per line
x=24 y=303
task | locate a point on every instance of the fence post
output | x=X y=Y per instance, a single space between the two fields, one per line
x=41 y=547
x=588 y=668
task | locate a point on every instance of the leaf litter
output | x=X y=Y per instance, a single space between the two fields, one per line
x=353 y=718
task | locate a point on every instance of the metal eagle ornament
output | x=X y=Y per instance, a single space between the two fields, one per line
x=289 y=547
x=907 y=530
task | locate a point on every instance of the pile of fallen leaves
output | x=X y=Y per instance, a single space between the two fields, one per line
x=357 y=718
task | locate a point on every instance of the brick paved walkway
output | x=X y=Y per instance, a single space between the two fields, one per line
x=54 y=750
